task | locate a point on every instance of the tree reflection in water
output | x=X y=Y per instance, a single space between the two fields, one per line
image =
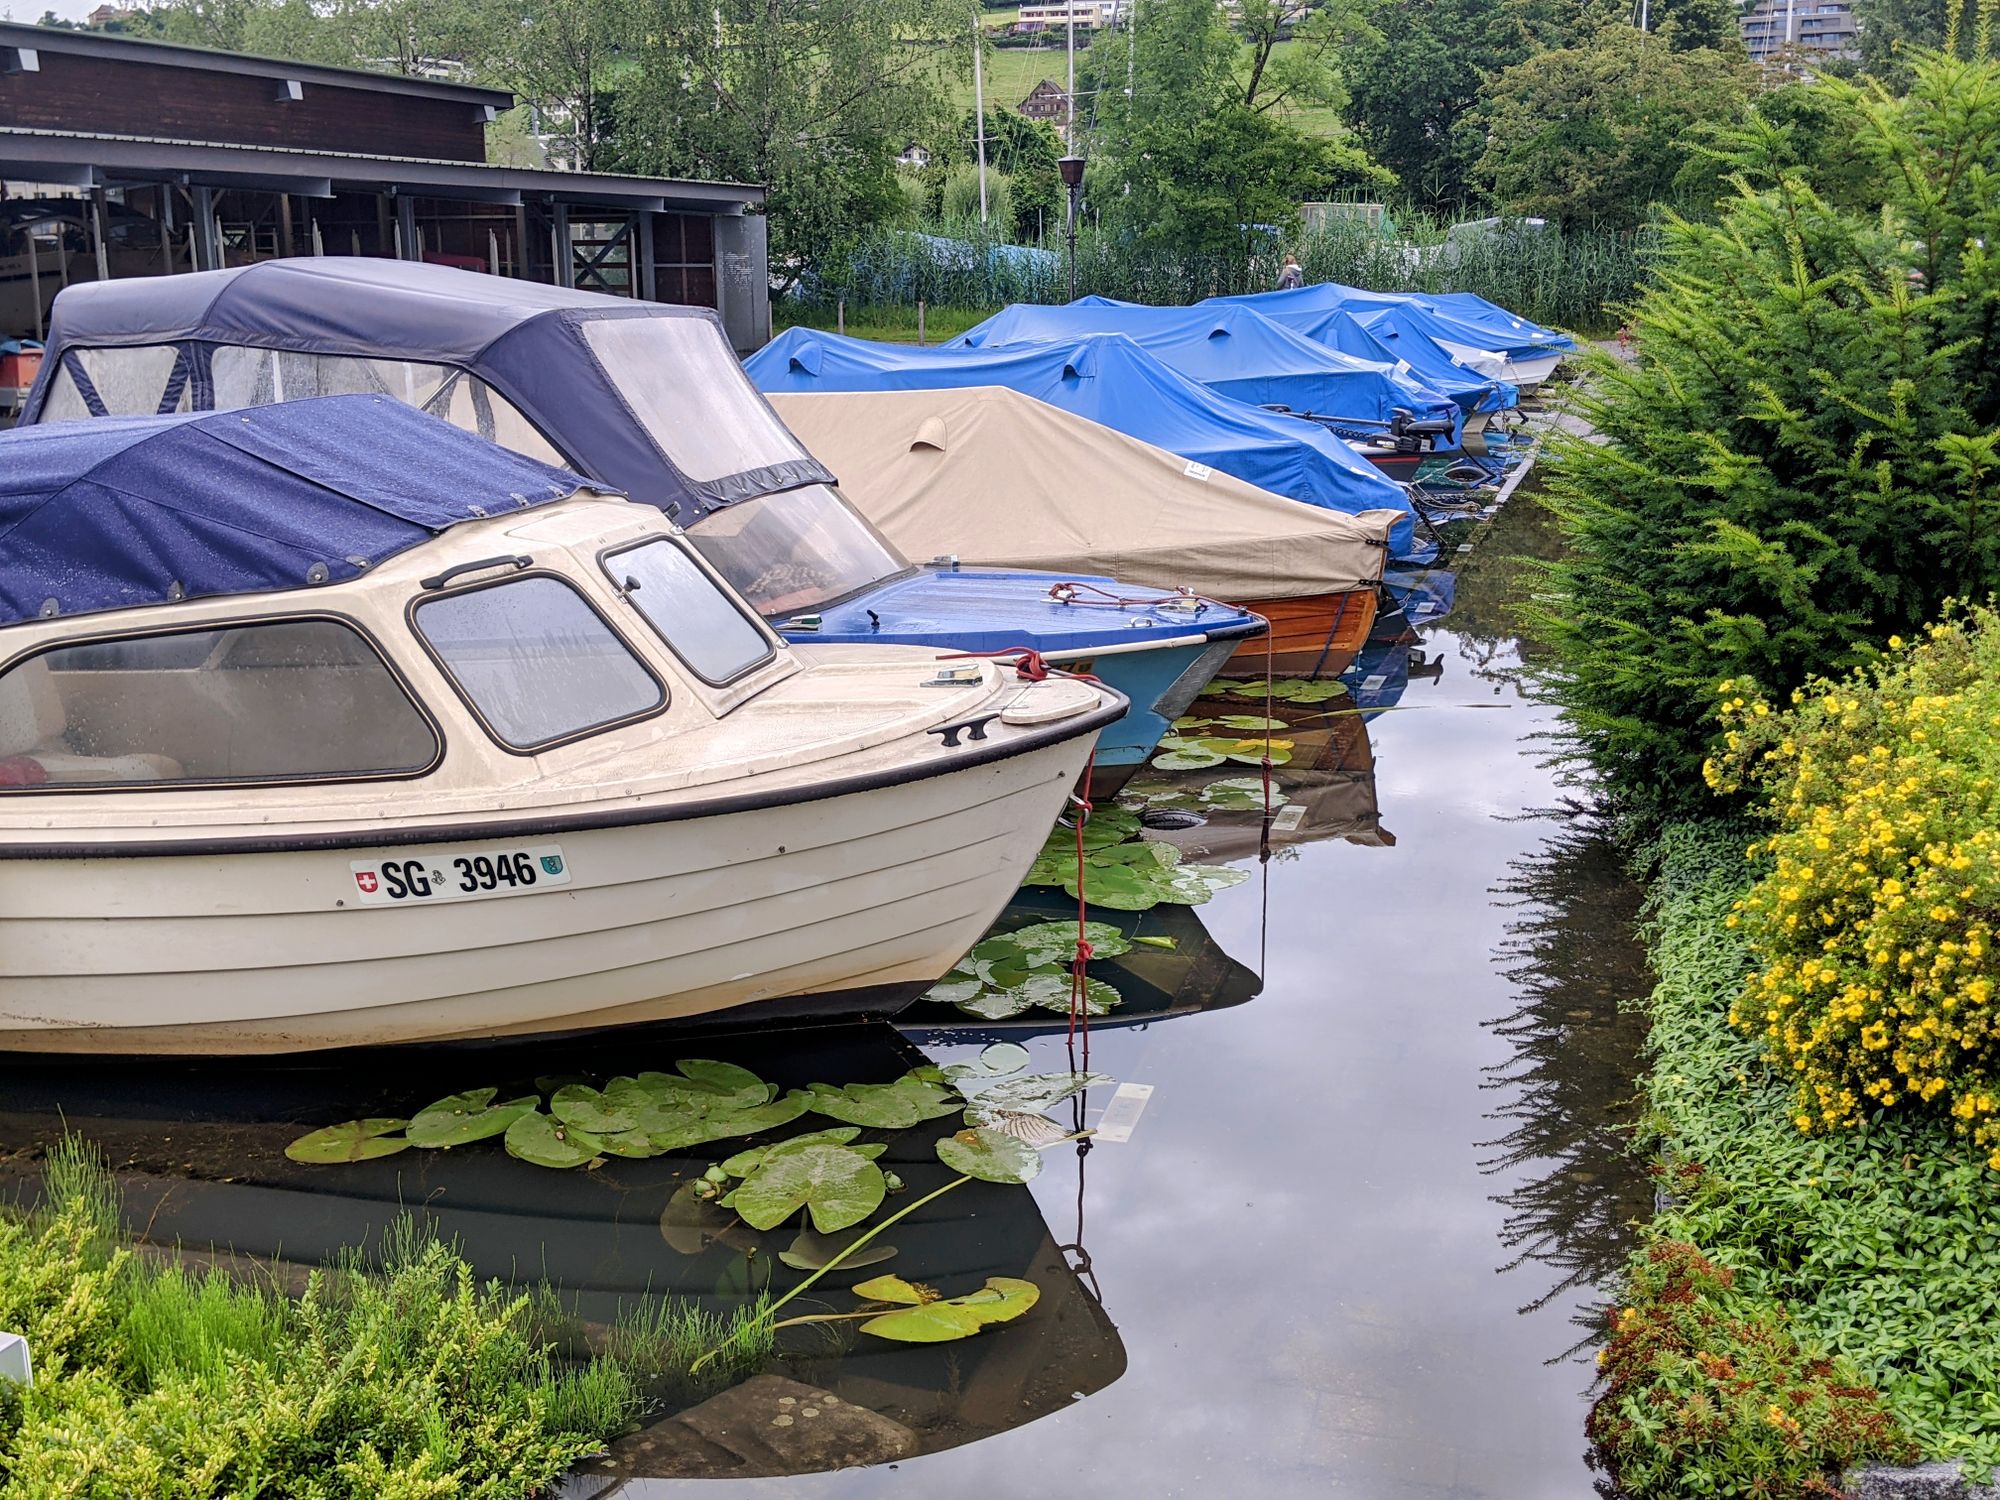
x=1575 y=1190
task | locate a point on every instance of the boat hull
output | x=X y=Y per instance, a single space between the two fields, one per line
x=1160 y=683
x=1319 y=635
x=846 y=900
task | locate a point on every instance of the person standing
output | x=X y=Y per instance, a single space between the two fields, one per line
x=1291 y=278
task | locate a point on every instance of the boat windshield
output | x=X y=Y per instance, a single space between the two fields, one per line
x=796 y=550
x=703 y=626
x=683 y=382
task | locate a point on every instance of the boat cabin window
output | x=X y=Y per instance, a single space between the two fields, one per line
x=796 y=550
x=536 y=662
x=155 y=379
x=696 y=619
x=687 y=389
x=284 y=701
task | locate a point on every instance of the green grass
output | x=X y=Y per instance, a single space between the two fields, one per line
x=1882 y=1243
x=1013 y=72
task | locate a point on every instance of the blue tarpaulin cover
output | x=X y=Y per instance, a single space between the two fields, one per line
x=138 y=510
x=1112 y=381
x=1458 y=316
x=524 y=339
x=1234 y=350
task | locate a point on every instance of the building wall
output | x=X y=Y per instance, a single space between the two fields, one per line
x=110 y=97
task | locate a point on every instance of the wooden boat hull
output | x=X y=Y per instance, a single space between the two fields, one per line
x=845 y=899
x=1319 y=635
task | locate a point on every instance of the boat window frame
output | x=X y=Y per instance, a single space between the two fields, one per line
x=439 y=740
x=528 y=752
x=774 y=642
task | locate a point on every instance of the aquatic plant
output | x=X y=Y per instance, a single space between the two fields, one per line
x=1010 y=973
x=1873 y=917
x=1122 y=871
x=409 y=1382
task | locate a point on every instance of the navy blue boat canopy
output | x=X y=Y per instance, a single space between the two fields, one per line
x=647 y=397
x=126 y=512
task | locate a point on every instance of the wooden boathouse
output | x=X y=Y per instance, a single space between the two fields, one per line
x=126 y=157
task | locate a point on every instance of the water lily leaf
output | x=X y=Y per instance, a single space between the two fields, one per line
x=1029 y=1129
x=1001 y=1300
x=1249 y=721
x=1099 y=999
x=884 y=1106
x=895 y=1289
x=691 y=1223
x=1003 y=1058
x=1050 y=866
x=996 y=1005
x=1004 y=972
x=1192 y=721
x=585 y=1108
x=1055 y=942
x=351 y=1140
x=1116 y=888
x=839 y=1187
x=547 y=1142
x=1277 y=757
x=1167 y=943
x=743 y=1163
x=812 y=1251
x=951 y=991
x=989 y=1156
x=548 y=1083
x=739 y=1086
x=1107 y=825
x=1190 y=885
x=1319 y=692
x=1137 y=854
x=637 y=1143
x=1241 y=794
x=1037 y=1091
x=459 y=1119
x=1194 y=758
x=759 y=1118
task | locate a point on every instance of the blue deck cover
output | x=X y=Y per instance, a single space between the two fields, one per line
x=123 y=512
x=1112 y=381
x=1234 y=350
x=1457 y=316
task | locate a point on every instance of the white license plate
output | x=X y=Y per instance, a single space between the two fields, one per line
x=423 y=878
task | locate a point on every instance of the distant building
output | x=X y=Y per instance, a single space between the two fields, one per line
x=915 y=156
x=106 y=16
x=1059 y=13
x=1047 y=102
x=1807 y=28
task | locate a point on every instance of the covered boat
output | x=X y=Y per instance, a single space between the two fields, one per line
x=643 y=397
x=1238 y=352
x=1113 y=382
x=933 y=470
x=325 y=723
x=1476 y=333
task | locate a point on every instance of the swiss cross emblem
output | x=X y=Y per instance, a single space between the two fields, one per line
x=366 y=880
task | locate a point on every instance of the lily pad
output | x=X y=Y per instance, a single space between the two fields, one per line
x=989 y=1156
x=1241 y=794
x=1115 y=887
x=585 y=1108
x=839 y=1187
x=1249 y=721
x=884 y=1106
x=813 y=1251
x=1055 y=942
x=940 y=1321
x=690 y=1224
x=547 y=1142
x=951 y=991
x=1003 y=1058
x=1190 y=885
x=1037 y=1091
x=459 y=1119
x=1106 y=825
x=743 y=1163
x=351 y=1140
x=1193 y=758
x=1028 y=1128
x=997 y=1005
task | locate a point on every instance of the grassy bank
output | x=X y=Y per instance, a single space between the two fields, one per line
x=1844 y=1263
x=407 y=1380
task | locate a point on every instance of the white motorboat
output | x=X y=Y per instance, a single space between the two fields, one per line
x=326 y=724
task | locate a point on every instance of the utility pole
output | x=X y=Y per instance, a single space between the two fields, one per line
x=979 y=106
x=1069 y=131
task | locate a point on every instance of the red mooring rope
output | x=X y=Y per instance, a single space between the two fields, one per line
x=1079 y=1014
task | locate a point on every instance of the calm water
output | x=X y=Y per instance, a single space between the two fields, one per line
x=1344 y=1252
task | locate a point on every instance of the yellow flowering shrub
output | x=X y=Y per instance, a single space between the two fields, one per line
x=1874 y=922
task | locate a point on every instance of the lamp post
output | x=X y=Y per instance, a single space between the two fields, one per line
x=1071 y=168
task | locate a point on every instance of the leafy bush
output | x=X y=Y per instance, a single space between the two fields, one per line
x=412 y=1384
x=1712 y=1393
x=1881 y=1243
x=1803 y=460
x=1875 y=923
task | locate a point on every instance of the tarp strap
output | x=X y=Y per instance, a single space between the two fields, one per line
x=93 y=402
x=177 y=382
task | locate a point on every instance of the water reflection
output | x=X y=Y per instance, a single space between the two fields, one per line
x=1568 y=1093
x=199 y=1152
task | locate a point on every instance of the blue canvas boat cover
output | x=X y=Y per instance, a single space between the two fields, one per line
x=1395 y=334
x=1498 y=332
x=1236 y=351
x=1112 y=381
x=140 y=510
x=593 y=393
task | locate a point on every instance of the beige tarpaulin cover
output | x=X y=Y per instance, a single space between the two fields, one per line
x=997 y=478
